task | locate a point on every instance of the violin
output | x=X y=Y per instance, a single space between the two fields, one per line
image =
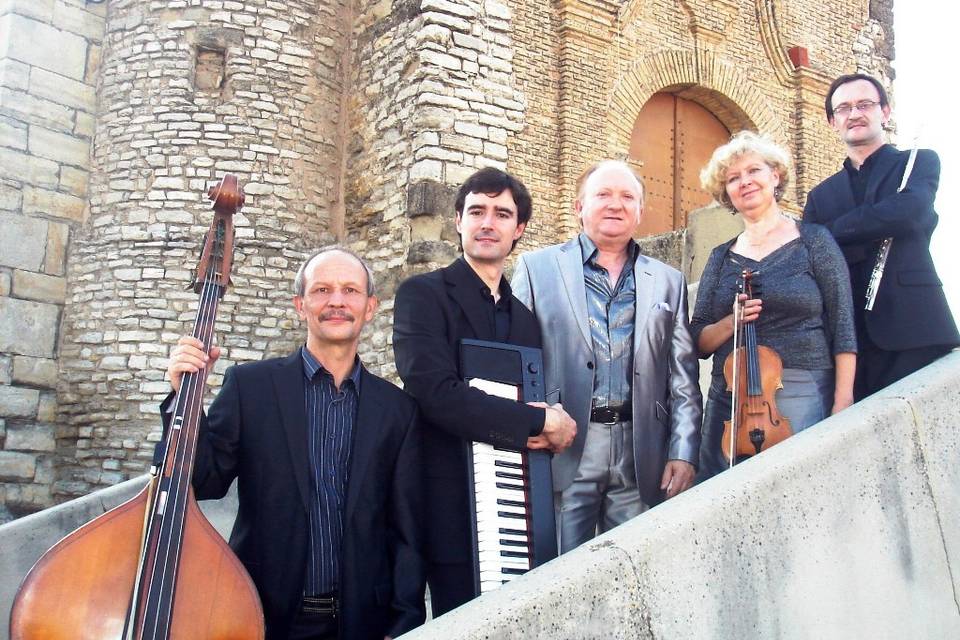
x=153 y=568
x=753 y=375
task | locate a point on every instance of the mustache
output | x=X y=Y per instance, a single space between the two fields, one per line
x=337 y=314
x=486 y=236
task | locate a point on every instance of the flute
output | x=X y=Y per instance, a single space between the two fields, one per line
x=884 y=251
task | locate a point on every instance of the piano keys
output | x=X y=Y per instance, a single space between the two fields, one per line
x=514 y=529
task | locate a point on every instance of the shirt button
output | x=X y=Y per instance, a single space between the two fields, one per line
x=589 y=365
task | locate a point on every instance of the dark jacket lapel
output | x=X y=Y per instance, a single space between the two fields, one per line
x=463 y=286
x=366 y=435
x=289 y=387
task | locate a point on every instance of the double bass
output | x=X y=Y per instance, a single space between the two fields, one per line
x=153 y=568
x=753 y=375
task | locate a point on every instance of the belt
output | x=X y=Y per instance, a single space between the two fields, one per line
x=610 y=415
x=321 y=605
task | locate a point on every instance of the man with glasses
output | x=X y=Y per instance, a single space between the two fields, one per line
x=910 y=324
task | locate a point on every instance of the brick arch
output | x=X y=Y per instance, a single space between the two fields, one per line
x=698 y=76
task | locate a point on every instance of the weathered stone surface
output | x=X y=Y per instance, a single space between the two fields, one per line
x=53 y=203
x=31 y=438
x=28 y=285
x=10 y=197
x=429 y=197
x=26 y=168
x=23 y=241
x=41 y=10
x=29 y=41
x=18 y=402
x=56 y=255
x=13 y=134
x=56 y=88
x=5 y=282
x=430 y=252
x=61 y=147
x=16 y=467
x=77 y=20
x=14 y=75
x=6 y=370
x=28 y=328
x=33 y=110
x=35 y=372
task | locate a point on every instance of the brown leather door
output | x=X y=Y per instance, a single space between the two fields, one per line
x=672 y=140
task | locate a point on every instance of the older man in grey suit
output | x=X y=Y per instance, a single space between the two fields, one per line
x=617 y=349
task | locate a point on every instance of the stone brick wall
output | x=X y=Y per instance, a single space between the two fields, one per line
x=187 y=92
x=353 y=120
x=48 y=70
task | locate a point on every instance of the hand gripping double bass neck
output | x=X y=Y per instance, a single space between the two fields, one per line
x=753 y=374
x=153 y=568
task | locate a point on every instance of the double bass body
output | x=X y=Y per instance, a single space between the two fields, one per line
x=81 y=588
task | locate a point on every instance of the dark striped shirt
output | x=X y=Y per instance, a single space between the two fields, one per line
x=330 y=417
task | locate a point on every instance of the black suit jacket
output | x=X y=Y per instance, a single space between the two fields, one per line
x=432 y=313
x=256 y=432
x=910 y=310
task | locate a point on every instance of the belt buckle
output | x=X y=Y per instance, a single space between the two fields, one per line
x=605 y=415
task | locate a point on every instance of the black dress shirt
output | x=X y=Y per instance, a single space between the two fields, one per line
x=498 y=313
x=611 y=312
x=330 y=417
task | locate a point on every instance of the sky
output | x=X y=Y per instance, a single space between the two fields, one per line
x=925 y=42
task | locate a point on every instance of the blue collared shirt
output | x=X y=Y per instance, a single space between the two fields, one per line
x=331 y=414
x=611 y=312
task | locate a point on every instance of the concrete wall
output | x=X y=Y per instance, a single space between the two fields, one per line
x=848 y=530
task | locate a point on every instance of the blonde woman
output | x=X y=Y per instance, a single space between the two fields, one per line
x=804 y=310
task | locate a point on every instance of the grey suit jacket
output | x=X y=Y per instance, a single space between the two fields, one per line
x=667 y=405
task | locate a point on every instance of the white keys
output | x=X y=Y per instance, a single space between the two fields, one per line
x=502 y=516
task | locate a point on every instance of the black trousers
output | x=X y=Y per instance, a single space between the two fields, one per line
x=451 y=585
x=878 y=368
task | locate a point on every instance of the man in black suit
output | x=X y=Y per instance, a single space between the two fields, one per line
x=910 y=324
x=470 y=298
x=327 y=457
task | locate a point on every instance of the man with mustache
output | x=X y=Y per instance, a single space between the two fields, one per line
x=910 y=324
x=327 y=460
x=433 y=312
x=617 y=345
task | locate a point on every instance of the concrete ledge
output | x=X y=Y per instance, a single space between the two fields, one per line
x=851 y=529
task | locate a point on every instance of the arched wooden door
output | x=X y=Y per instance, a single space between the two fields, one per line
x=673 y=138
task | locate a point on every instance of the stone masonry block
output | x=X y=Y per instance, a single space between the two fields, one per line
x=33 y=110
x=28 y=285
x=4 y=286
x=61 y=147
x=13 y=134
x=10 y=197
x=62 y=90
x=38 y=9
x=6 y=370
x=30 y=438
x=76 y=20
x=30 y=41
x=53 y=203
x=18 y=402
x=14 y=75
x=22 y=242
x=55 y=259
x=429 y=197
x=28 y=328
x=35 y=372
x=16 y=466
x=74 y=181
x=26 y=168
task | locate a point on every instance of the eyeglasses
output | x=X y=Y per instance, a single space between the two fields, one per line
x=863 y=106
